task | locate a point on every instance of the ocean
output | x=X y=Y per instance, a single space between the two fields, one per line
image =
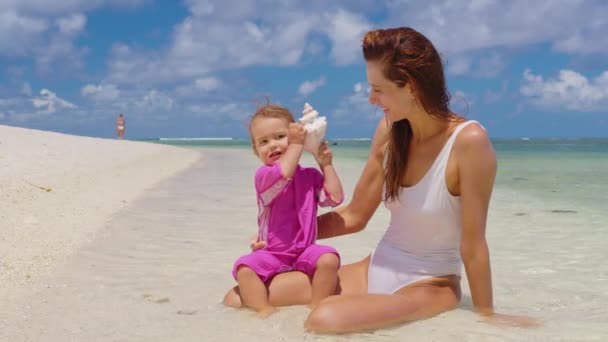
x=547 y=231
x=572 y=171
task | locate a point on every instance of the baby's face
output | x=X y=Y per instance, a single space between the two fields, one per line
x=270 y=138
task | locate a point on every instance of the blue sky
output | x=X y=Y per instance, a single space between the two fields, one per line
x=195 y=68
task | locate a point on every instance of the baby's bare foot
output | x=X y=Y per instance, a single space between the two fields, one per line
x=265 y=312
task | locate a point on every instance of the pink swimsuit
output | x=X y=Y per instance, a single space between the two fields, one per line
x=287 y=221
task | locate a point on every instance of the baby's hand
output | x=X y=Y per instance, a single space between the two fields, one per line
x=255 y=243
x=324 y=155
x=296 y=134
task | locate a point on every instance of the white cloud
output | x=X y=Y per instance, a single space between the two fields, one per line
x=232 y=34
x=200 y=86
x=308 y=87
x=19 y=34
x=220 y=111
x=458 y=94
x=31 y=36
x=47 y=33
x=24 y=108
x=43 y=8
x=102 y=92
x=127 y=65
x=71 y=25
x=8 y=102
x=346 y=31
x=201 y=8
x=458 y=65
x=155 y=100
x=207 y=83
x=272 y=43
x=60 y=54
x=358 y=87
x=221 y=35
x=460 y=102
x=461 y=26
x=234 y=45
x=48 y=102
x=356 y=106
x=482 y=66
x=490 y=66
x=568 y=91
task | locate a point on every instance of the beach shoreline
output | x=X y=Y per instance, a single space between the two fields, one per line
x=59 y=190
x=156 y=267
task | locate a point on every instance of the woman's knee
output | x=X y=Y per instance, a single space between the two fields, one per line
x=324 y=319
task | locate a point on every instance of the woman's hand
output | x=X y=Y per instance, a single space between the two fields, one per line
x=513 y=321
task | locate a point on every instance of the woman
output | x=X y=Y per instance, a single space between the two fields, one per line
x=435 y=172
x=120 y=126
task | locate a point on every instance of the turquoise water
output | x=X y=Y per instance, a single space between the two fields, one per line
x=547 y=231
x=568 y=170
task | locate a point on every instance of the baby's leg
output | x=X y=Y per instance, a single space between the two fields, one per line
x=252 y=271
x=325 y=279
x=253 y=291
x=322 y=263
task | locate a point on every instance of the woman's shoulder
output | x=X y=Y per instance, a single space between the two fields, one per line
x=473 y=141
x=472 y=134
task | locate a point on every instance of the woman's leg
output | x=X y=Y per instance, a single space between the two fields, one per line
x=353 y=278
x=294 y=288
x=362 y=312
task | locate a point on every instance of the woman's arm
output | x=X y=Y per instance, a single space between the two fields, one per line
x=476 y=171
x=367 y=194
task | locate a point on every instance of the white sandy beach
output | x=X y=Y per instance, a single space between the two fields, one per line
x=135 y=242
x=88 y=180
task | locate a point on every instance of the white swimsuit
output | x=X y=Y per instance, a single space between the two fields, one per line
x=423 y=237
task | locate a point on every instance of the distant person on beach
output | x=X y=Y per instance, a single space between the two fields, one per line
x=120 y=126
x=435 y=172
x=288 y=196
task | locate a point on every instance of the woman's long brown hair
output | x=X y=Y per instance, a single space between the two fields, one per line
x=407 y=57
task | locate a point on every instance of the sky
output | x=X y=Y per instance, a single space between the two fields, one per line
x=198 y=68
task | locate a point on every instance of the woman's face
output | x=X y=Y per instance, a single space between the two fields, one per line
x=396 y=102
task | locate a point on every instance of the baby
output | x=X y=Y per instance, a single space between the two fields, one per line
x=287 y=196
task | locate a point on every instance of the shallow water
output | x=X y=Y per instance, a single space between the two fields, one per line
x=160 y=268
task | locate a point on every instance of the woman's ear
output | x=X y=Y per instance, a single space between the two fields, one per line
x=410 y=91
